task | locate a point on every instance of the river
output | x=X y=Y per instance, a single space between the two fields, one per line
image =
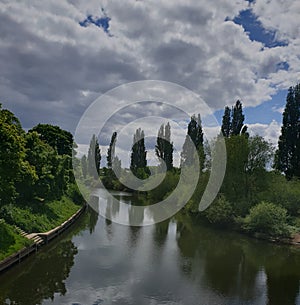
x=179 y=261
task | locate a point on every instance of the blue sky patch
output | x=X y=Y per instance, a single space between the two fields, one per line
x=255 y=29
x=101 y=22
x=264 y=113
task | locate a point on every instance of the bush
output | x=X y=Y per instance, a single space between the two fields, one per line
x=267 y=218
x=284 y=193
x=165 y=187
x=74 y=193
x=220 y=212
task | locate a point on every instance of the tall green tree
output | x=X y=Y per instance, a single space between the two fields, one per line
x=51 y=169
x=94 y=158
x=235 y=181
x=238 y=118
x=226 y=122
x=233 y=121
x=111 y=150
x=288 y=154
x=13 y=165
x=57 y=138
x=164 y=147
x=138 y=162
x=193 y=142
x=113 y=162
x=84 y=166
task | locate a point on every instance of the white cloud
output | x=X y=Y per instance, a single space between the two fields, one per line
x=278 y=109
x=52 y=68
x=270 y=132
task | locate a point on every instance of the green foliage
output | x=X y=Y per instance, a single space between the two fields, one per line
x=74 y=194
x=233 y=121
x=10 y=240
x=282 y=192
x=138 y=162
x=226 y=122
x=267 y=218
x=94 y=158
x=12 y=155
x=111 y=150
x=220 y=212
x=260 y=154
x=114 y=168
x=34 y=169
x=59 y=139
x=288 y=154
x=50 y=168
x=235 y=182
x=38 y=217
x=193 y=204
x=193 y=145
x=164 y=146
x=237 y=120
x=84 y=166
x=165 y=187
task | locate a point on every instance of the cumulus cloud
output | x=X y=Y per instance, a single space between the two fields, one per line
x=52 y=68
x=270 y=132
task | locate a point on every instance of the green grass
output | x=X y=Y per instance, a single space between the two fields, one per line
x=40 y=216
x=10 y=240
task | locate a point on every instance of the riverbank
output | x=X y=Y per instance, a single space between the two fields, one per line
x=35 y=240
x=20 y=223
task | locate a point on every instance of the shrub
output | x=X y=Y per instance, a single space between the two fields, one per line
x=220 y=212
x=74 y=193
x=284 y=193
x=267 y=218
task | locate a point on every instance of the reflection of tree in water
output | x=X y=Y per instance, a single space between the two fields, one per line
x=135 y=216
x=42 y=275
x=108 y=216
x=282 y=267
x=160 y=232
x=217 y=259
x=283 y=276
x=42 y=278
x=93 y=219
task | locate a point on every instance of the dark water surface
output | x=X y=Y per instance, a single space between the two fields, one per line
x=174 y=262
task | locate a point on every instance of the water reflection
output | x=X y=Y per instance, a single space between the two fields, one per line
x=160 y=232
x=39 y=279
x=178 y=261
x=282 y=269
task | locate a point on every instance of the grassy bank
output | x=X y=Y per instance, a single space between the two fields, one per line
x=34 y=217
x=10 y=240
x=40 y=217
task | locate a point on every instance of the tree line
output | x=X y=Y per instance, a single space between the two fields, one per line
x=287 y=157
x=34 y=165
x=261 y=188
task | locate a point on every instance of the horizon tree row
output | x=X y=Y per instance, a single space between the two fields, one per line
x=287 y=157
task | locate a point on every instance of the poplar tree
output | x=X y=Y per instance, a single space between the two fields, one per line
x=288 y=154
x=233 y=121
x=138 y=163
x=111 y=150
x=84 y=166
x=94 y=158
x=226 y=122
x=238 y=118
x=164 y=146
x=194 y=138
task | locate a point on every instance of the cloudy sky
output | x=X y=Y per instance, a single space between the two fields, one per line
x=58 y=56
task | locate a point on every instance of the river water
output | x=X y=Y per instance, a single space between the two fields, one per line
x=179 y=261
